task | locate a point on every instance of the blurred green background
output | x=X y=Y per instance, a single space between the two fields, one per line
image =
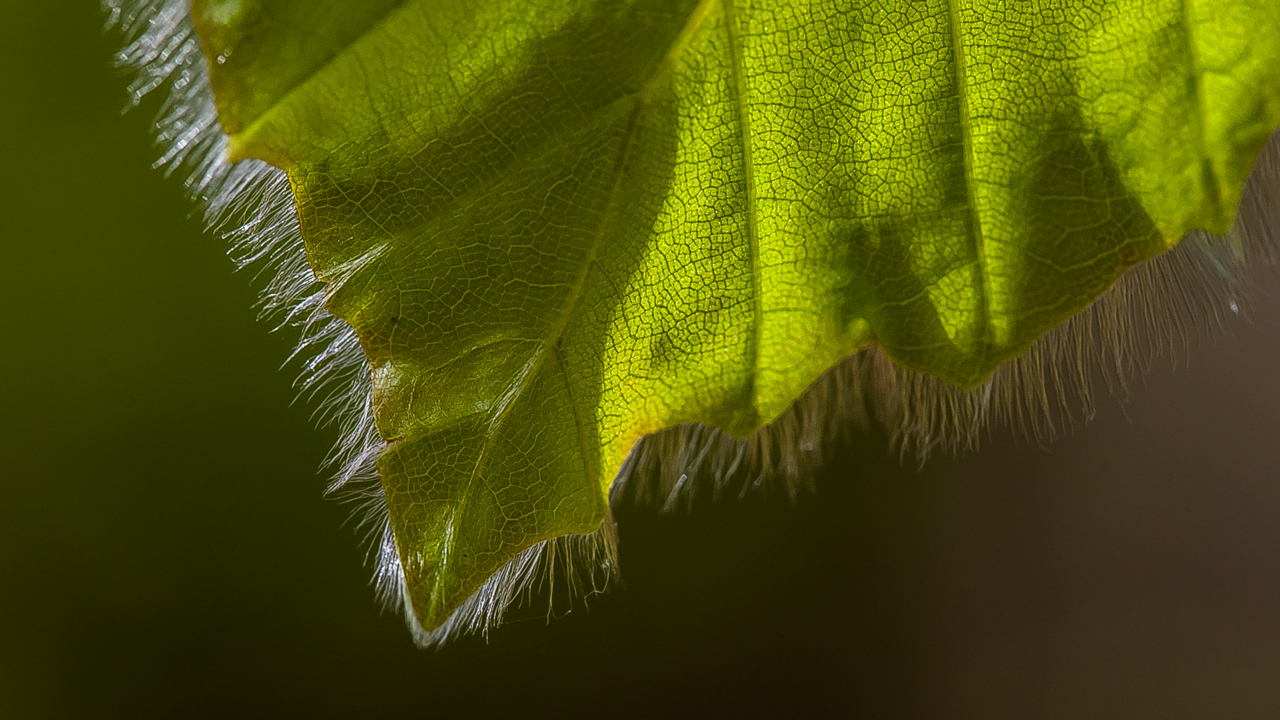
x=165 y=549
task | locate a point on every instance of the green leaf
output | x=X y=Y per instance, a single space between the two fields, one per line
x=558 y=225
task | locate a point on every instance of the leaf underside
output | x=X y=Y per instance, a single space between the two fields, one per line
x=559 y=225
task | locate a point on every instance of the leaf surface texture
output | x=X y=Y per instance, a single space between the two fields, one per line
x=558 y=225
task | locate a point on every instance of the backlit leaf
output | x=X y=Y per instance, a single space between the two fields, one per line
x=558 y=225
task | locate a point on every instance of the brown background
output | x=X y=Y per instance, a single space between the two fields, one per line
x=165 y=550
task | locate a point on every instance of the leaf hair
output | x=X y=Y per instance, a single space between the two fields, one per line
x=1197 y=289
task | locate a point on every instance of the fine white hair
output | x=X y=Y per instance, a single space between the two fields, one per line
x=1153 y=310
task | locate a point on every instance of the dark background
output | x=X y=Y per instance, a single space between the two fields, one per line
x=165 y=549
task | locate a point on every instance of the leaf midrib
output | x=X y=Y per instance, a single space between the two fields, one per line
x=748 y=165
x=979 y=244
x=261 y=117
x=534 y=366
x=1197 y=89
